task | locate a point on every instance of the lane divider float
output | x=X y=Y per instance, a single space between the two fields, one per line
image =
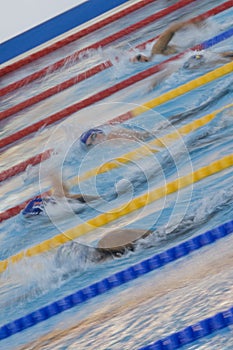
x=125 y=209
x=125 y=158
x=194 y=332
x=148 y=148
x=35 y=160
x=171 y=94
x=101 y=43
x=180 y=90
x=85 y=75
x=20 y=167
x=69 y=39
x=190 y=333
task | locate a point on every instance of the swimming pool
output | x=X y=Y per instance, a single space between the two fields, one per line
x=163 y=301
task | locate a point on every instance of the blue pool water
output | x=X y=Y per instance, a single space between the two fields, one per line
x=163 y=301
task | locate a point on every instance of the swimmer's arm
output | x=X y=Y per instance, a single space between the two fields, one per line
x=227 y=55
x=159 y=77
x=137 y=135
x=129 y=134
x=61 y=190
x=82 y=197
x=162 y=43
x=222 y=57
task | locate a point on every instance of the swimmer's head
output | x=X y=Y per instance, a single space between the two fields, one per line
x=194 y=61
x=92 y=137
x=140 y=58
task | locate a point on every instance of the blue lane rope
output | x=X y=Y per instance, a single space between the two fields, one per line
x=115 y=280
x=194 y=332
x=217 y=39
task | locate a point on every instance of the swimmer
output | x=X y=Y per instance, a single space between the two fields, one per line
x=95 y=136
x=162 y=47
x=112 y=245
x=200 y=59
x=195 y=61
x=37 y=205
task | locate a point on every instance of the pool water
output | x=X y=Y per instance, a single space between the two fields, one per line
x=163 y=301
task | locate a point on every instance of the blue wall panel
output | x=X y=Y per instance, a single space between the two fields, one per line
x=54 y=27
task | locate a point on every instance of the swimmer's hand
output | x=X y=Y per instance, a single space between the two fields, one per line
x=198 y=22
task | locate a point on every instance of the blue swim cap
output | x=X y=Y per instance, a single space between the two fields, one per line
x=34 y=207
x=88 y=133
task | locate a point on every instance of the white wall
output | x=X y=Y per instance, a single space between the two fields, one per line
x=17 y=16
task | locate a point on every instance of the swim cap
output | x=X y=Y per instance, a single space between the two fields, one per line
x=194 y=60
x=34 y=207
x=88 y=133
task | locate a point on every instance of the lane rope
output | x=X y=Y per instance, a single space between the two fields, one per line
x=87 y=74
x=180 y=90
x=101 y=43
x=20 y=167
x=97 y=69
x=135 y=154
x=148 y=148
x=194 y=332
x=133 y=272
x=114 y=214
x=35 y=160
x=69 y=39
